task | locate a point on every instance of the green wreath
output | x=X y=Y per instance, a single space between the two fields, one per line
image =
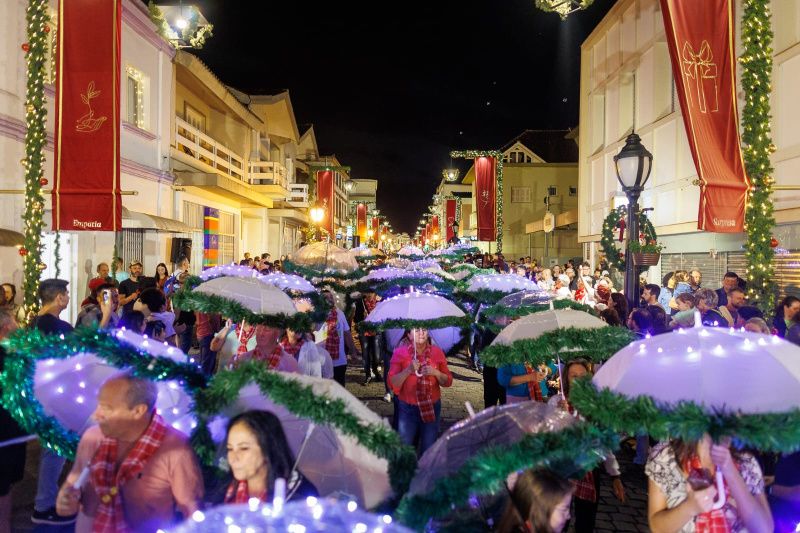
x=596 y=345
x=614 y=257
x=769 y=432
x=27 y=346
x=570 y=452
x=223 y=389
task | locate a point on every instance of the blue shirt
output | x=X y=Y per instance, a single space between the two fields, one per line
x=504 y=375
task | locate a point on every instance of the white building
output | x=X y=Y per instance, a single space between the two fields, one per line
x=627 y=84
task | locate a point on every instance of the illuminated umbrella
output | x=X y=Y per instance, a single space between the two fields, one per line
x=367 y=252
x=256 y=296
x=410 y=251
x=325 y=257
x=288 y=282
x=500 y=282
x=312 y=515
x=537 y=324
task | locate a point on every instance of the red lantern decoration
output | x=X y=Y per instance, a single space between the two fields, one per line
x=26 y=47
x=43 y=182
x=23 y=251
x=774 y=242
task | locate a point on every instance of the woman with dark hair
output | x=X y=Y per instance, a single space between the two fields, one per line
x=659 y=319
x=417 y=372
x=161 y=276
x=539 y=503
x=640 y=321
x=619 y=304
x=785 y=315
x=681 y=489
x=258 y=454
x=610 y=317
x=134 y=321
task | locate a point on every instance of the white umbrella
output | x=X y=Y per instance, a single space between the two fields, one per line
x=333 y=461
x=462 y=270
x=256 y=296
x=439 y=272
x=423 y=264
x=366 y=251
x=410 y=251
x=232 y=270
x=500 y=282
x=414 y=305
x=288 y=282
x=536 y=324
x=324 y=256
x=444 y=338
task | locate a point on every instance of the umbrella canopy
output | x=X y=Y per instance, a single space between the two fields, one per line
x=424 y=264
x=324 y=256
x=366 y=251
x=312 y=515
x=528 y=297
x=475 y=456
x=444 y=338
x=500 y=282
x=462 y=270
x=383 y=274
x=232 y=270
x=410 y=251
x=288 y=282
x=537 y=324
x=414 y=306
x=332 y=460
x=254 y=295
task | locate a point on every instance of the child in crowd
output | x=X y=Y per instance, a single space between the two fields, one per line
x=685 y=315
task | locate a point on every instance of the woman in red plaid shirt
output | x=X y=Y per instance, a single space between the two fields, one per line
x=417 y=371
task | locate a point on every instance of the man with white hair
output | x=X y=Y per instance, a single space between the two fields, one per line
x=140 y=472
x=562 y=287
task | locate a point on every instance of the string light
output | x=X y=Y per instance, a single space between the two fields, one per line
x=139 y=86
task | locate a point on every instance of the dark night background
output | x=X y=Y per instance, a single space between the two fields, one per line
x=392 y=87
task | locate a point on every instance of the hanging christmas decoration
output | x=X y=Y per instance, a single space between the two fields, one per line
x=615 y=220
x=773 y=243
x=26 y=47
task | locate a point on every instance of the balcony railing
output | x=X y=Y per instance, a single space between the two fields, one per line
x=200 y=146
x=298 y=195
x=268 y=173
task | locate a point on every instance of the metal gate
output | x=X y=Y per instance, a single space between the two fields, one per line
x=712 y=268
x=130 y=245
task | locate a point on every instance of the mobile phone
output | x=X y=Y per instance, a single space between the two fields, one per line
x=700 y=478
x=107 y=296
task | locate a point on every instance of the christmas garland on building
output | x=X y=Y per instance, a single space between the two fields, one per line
x=769 y=432
x=757 y=146
x=596 y=345
x=570 y=452
x=562 y=7
x=27 y=346
x=300 y=399
x=35 y=50
x=611 y=223
x=462 y=322
x=498 y=156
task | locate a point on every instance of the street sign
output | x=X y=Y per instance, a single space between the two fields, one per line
x=549 y=222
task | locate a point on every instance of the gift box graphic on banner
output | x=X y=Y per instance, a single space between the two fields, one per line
x=699 y=68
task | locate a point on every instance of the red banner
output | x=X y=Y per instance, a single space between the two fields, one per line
x=86 y=193
x=435 y=228
x=700 y=38
x=450 y=217
x=427 y=232
x=361 y=222
x=485 y=195
x=376 y=222
x=325 y=197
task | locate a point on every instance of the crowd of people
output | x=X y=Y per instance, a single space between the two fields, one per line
x=141 y=471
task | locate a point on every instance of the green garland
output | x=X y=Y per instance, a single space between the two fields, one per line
x=596 y=345
x=614 y=257
x=462 y=322
x=757 y=146
x=570 y=452
x=483 y=296
x=223 y=389
x=368 y=258
x=194 y=34
x=498 y=157
x=441 y=285
x=505 y=311
x=773 y=432
x=26 y=346
x=57 y=254
x=190 y=300
x=310 y=273
x=35 y=140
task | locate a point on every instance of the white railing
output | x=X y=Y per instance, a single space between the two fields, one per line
x=298 y=195
x=268 y=173
x=200 y=146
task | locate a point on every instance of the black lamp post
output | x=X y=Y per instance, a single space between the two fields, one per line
x=632 y=164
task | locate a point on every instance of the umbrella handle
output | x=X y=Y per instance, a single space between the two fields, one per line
x=81 y=479
x=470 y=409
x=721 y=497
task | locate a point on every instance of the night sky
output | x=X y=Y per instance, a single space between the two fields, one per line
x=392 y=87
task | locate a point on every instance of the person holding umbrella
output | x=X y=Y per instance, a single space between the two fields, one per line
x=417 y=372
x=269 y=350
x=259 y=454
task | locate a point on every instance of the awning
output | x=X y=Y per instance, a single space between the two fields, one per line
x=562 y=219
x=11 y=238
x=137 y=220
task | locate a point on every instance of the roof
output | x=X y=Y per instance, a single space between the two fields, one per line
x=552 y=146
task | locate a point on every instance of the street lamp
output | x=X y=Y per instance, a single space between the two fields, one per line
x=317 y=214
x=633 y=165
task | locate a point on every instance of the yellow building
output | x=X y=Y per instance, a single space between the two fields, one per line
x=540 y=173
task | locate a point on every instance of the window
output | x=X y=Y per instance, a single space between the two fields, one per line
x=573 y=191
x=135 y=92
x=517 y=157
x=227 y=238
x=552 y=190
x=520 y=195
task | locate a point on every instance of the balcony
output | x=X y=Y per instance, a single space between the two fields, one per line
x=197 y=145
x=269 y=178
x=298 y=195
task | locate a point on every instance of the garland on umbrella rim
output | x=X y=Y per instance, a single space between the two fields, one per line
x=570 y=452
x=615 y=257
x=411 y=257
x=465 y=266
x=300 y=399
x=484 y=296
x=595 y=344
x=498 y=310
x=368 y=258
x=309 y=273
x=768 y=432
x=27 y=346
x=189 y=300
x=439 y=284
x=462 y=322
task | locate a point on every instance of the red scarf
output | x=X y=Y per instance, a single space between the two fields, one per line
x=273 y=358
x=580 y=293
x=332 y=342
x=247 y=333
x=292 y=349
x=712 y=521
x=110 y=515
x=239 y=493
x=424 y=386
x=534 y=389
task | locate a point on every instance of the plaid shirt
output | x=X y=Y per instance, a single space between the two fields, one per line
x=534 y=388
x=332 y=342
x=110 y=515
